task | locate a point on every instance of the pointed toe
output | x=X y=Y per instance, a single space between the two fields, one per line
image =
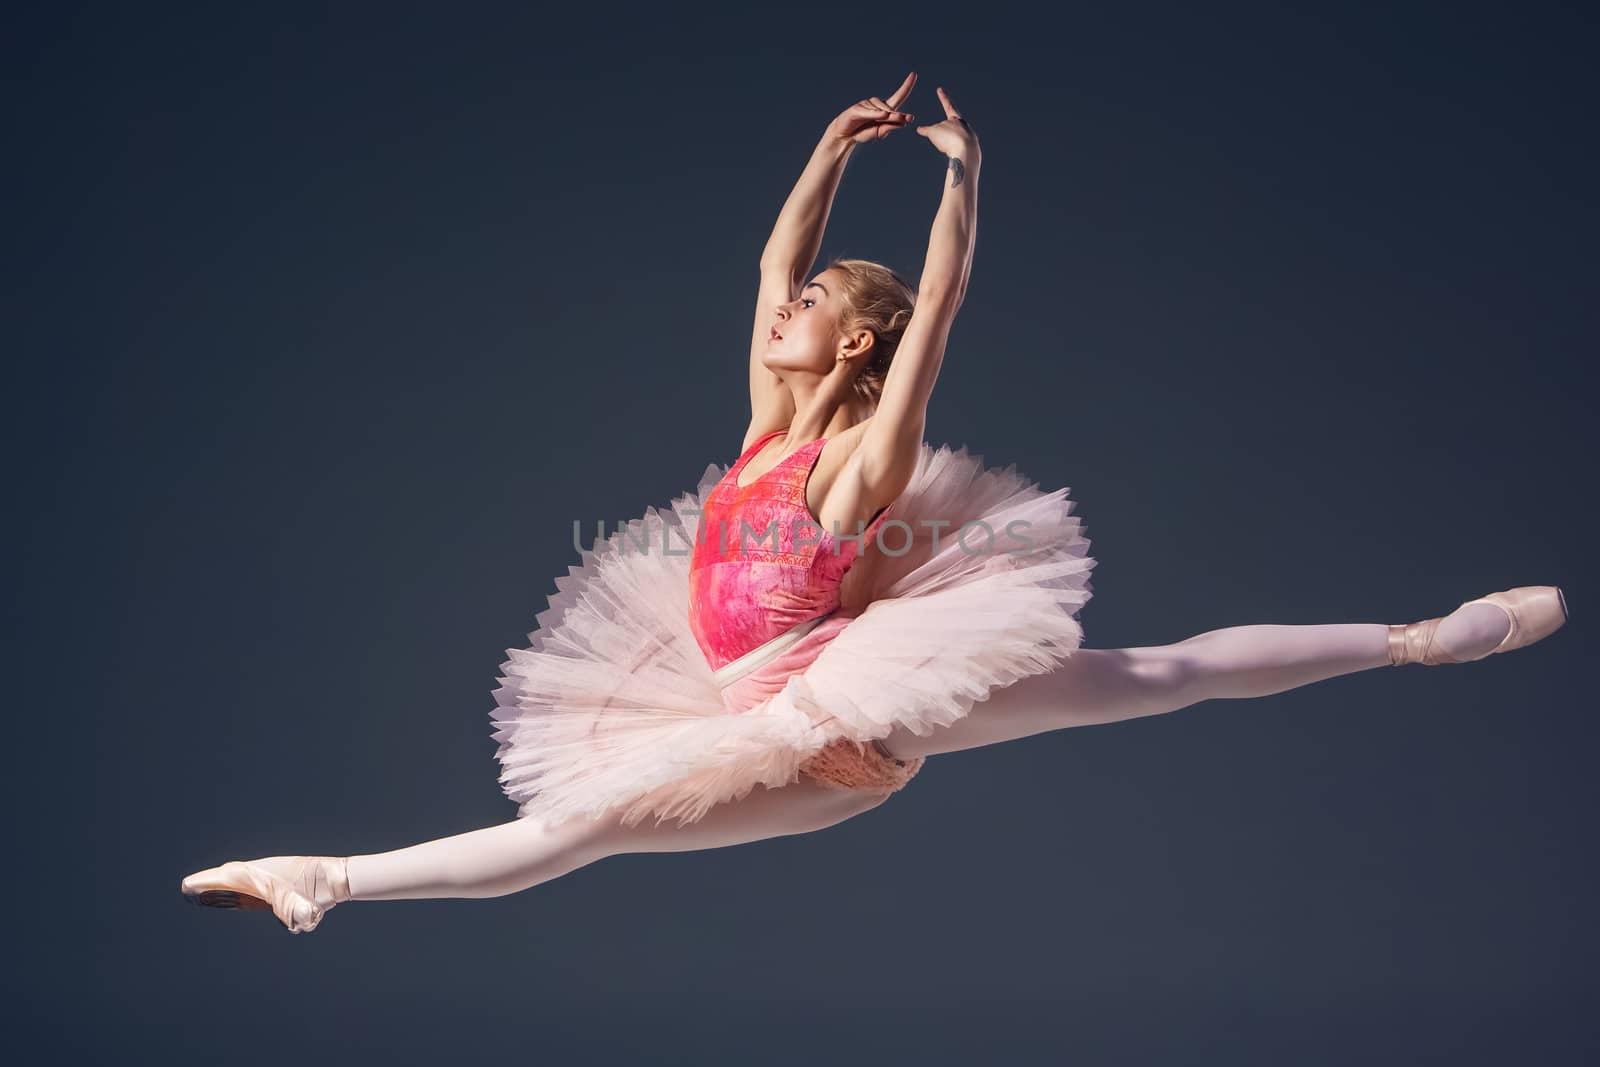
x=237 y=884
x=1535 y=611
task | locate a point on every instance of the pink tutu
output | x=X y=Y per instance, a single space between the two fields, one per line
x=613 y=705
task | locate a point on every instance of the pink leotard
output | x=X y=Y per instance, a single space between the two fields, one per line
x=764 y=584
x=750 y=584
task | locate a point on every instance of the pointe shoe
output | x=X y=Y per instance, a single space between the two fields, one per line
x=1535 y=611
x=299 y=901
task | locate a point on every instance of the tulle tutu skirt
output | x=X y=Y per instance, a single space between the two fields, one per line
x=613 y=705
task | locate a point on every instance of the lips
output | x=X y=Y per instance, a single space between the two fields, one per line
x=776 y=336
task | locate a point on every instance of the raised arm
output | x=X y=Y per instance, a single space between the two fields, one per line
x=892 y=440
x=797 y=236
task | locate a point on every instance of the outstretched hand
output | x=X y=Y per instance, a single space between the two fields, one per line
x=874 y=119
x=954 y=137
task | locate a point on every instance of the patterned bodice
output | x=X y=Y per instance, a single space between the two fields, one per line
x=761 y=563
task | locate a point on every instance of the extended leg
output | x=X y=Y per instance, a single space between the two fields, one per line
x=516 y=855
x=1108 y=685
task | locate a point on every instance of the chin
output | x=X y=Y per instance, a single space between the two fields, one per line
x=781 y=363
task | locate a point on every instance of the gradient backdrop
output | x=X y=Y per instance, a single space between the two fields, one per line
x=326 y=321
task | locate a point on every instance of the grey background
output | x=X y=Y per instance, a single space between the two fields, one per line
x=326 y=321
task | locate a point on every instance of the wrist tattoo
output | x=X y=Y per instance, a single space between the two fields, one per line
x=957 y=171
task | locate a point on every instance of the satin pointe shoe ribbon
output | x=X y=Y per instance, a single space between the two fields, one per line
x=1535 y=612
x=238 y=884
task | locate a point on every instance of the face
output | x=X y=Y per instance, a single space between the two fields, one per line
x=809 y=329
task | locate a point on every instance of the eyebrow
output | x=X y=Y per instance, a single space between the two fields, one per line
x=818 y=285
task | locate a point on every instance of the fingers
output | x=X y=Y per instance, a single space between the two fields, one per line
x=898 y=97
x=876 y=110
x=949 y=107
x=893 y=115
x=876 y=123
x=878 y=118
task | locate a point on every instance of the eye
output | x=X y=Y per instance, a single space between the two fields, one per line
x=806 y=300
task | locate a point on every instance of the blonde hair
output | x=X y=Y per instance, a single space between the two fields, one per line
x=876 y=299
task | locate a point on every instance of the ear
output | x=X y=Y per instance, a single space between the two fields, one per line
x=858 y=344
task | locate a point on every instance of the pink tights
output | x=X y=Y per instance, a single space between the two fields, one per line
x=1112 y=684
x=1093 y=686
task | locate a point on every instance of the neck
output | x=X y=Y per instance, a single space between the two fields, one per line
x=825 y=407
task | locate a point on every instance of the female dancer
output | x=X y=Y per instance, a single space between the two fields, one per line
x=748 y=640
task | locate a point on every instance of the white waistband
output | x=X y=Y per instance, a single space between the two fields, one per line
x=733 y=670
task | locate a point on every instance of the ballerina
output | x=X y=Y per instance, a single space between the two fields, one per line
x=835 y=606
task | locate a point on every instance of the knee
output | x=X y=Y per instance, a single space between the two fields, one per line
x=1173 y=671
x=1168 y=678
